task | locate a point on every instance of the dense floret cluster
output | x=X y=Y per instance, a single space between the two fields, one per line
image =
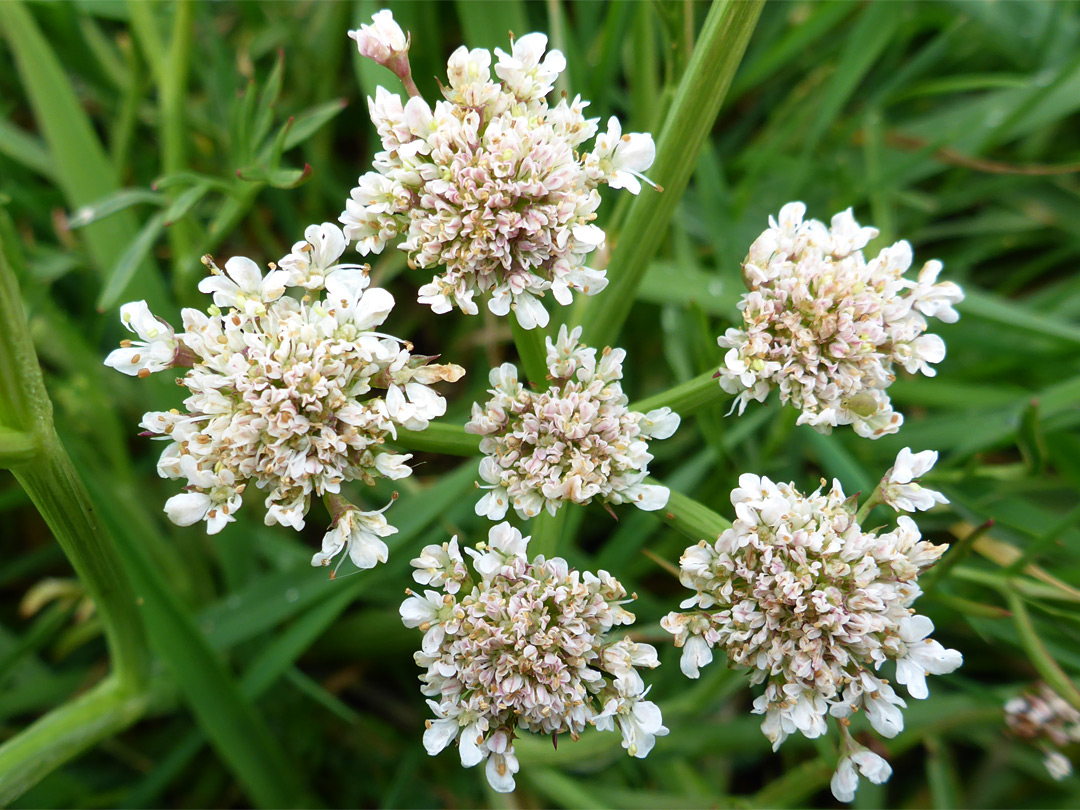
x=827 y=328
x=524 y=646
x=1048 y=720
x=799 y=594
x=297 y=395
x=491 y=184
x=573 y=442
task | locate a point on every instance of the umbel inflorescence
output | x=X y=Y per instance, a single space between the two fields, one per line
x=524 y=646
x=575 y=441
x=295 y=394
x=1043 y=717
x=828 y=328
x=813 y=605
x=492 y=185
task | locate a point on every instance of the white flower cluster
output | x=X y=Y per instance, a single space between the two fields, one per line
x=282 y=392
x=1045 y=718
x=826 y=327
x=489 y=184
x=525 y=646
x=573 y=442
x=813 y=605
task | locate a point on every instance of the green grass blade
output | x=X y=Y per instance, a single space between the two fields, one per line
x=697 y=103
x=82 y=169
x=227 y=717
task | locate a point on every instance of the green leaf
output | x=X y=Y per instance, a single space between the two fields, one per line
x=117 y=201
x=25 y=149
x=311 y=121
x=130 y=261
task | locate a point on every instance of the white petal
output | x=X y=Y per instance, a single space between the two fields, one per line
x=187 y=508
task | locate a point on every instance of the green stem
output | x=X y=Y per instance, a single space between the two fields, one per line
x=63 y=733
x=173 y=96
x=1039 y=656
x=16 y=447
x=547 y=531
x=697 y=102
x=60 y=497
x=438 y=437
x=686 y=397
x=694 y=519
x=876 y=499
x=532 y=352
x=49 y=478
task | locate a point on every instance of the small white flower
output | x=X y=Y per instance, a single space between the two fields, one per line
x=243 y=286
x=441 y=566
x=924 y=656
x=154 y=352
x=360 y=533
x=639 y=721
x=846 y=780
x=696 y=654
x=419 y=610
x=313 y=259
x=525 y=75
x=622 y=159
x=901 y=489
x=1058 y=765
x=382 y=40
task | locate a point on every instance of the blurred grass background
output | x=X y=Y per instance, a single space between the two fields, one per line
x=135 y=137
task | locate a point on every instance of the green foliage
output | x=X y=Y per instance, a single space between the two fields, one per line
x=136 y=137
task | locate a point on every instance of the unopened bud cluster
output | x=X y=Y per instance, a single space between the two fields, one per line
x=575 y=441
x=295 y=394
x=1048 y=720
x=489 y=184
x=813 y=605
x=524 y=646
x=827 y=327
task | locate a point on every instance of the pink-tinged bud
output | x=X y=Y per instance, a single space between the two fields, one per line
x=382 y=40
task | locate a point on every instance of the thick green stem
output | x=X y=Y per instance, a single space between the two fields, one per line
x=63 y=733
x=60 y=497
x=16 y=447
x=695 y=520
x=532 y=352
x=686 y=397
x=49 y=478
x=697 y=102
x=547 y=531
x=450 y=440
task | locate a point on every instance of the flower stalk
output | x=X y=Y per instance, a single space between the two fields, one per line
x=686 y=397
x=438 y=437
x=531 y=351
x=694 y=519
